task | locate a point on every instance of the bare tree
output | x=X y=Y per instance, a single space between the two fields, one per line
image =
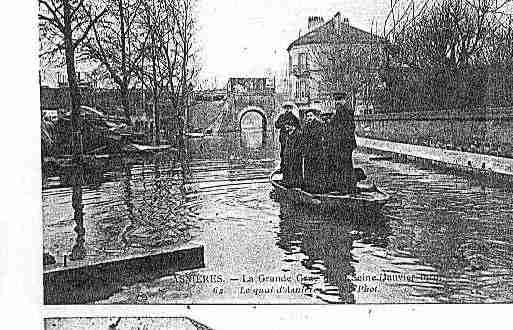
x=64 y=25
x=154 y=22
x=447 y=33
x=169 y=65
x=186 y=22
x=179 y=49
x=117 y=45
x=446 y=46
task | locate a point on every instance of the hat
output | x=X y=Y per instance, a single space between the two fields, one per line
x=339 y=96
x=326 y=115
x=313 y=110
x=287 y=106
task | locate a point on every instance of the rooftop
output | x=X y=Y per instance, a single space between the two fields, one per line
x=348 y=33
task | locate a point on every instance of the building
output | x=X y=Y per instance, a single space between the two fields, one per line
x=308 y=69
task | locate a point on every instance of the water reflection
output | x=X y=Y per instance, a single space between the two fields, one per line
x=326 y=242
x=121 y=209
x=253 y=133
x=235 y=146
x=78 y=251
x=138 y=211
x=252 y=138
x=128 y=199
x=155 y=215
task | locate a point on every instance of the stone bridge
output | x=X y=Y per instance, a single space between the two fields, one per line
x=246 y=95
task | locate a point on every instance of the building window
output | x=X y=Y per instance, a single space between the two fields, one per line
x=303 y=61
x=305 y=91
x=302 y=89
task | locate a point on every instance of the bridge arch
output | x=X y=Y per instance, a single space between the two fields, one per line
x=248 y=109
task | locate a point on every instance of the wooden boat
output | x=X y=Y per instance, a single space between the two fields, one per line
x=368 y=198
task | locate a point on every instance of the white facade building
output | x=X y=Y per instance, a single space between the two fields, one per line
x=305 y=83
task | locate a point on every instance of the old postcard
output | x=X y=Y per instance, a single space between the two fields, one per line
x=276 y=152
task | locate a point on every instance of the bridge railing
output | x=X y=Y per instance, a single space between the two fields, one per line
x=253 y=99
x=265 y=92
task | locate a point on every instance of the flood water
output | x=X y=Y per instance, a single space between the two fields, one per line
x=442 y=238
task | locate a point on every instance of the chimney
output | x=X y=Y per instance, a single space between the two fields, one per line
x=336 y=22
x=345 y=21
x=314 y=22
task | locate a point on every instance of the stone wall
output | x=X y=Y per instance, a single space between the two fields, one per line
x=486 y=131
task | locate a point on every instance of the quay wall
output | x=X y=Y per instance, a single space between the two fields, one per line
x=487 y=131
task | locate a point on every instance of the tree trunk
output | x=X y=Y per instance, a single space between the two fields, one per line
x=183 y=100
x=76 y=125
x=156 y=119
x=156 y=126
x=78 y=251
x=125 y=102
x=124 y=87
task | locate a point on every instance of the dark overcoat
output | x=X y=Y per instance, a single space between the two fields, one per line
x=314 y=155
x=340 y=143
x=292 y=159
x=284 y=119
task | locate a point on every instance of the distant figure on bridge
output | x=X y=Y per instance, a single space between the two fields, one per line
x=314 y=156
x=287 y=117
x=340 y=144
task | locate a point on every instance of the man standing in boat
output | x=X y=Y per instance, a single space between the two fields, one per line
x=286 y=118
x=313 y=153
x=292 y=160
x=340 y=144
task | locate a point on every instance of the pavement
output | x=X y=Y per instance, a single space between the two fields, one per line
x=499 y=165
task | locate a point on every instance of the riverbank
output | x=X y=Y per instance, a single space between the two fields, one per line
x=477 y=164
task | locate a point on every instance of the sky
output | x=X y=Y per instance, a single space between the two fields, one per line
x=241 y=38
